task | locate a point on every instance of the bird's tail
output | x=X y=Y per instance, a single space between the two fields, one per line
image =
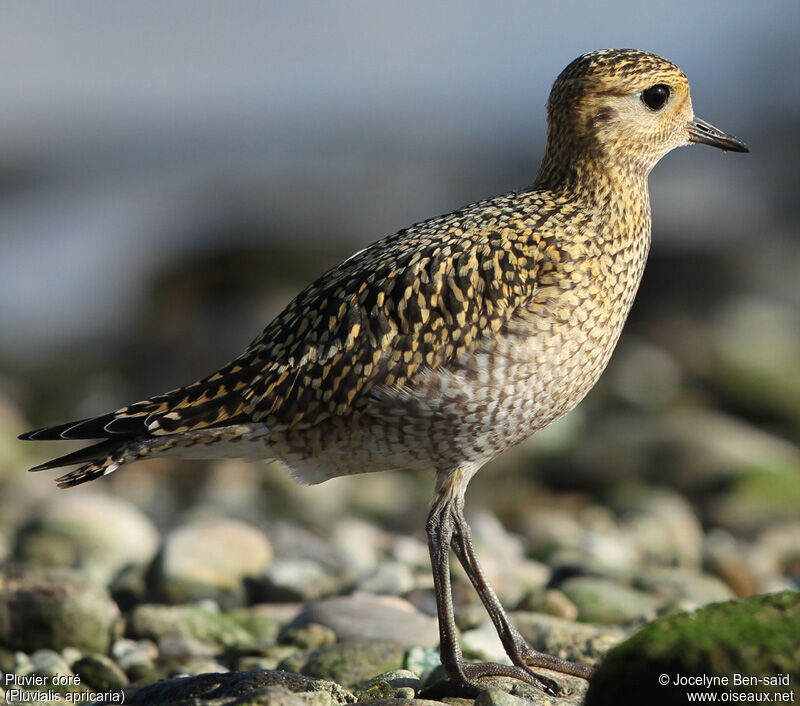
x=208 y=419
x=107 y=456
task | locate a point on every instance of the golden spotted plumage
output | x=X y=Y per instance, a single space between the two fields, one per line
x=445 y=343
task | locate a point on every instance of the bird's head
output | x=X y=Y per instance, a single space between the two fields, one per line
x=626 y=108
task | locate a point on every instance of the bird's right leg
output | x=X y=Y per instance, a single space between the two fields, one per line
x=442 y=518
x=520 y=652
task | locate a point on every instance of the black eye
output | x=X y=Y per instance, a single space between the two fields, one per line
x=655 y=96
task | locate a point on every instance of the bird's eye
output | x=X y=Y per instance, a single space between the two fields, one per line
x=655 y=96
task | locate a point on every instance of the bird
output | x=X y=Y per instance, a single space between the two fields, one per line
x=446 y=343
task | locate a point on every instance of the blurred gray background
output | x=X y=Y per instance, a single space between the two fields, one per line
x=172 y=173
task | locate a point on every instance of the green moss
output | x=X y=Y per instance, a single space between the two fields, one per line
x=100 y=672
x=347 y=664
x=775 y=489
x=55 y=608
x=264 y=628
x=755 y=636
x=219 y=630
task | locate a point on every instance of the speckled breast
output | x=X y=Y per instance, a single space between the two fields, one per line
x=539 y=367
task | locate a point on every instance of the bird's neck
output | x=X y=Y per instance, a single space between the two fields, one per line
x=614 y=191
x=591 y=178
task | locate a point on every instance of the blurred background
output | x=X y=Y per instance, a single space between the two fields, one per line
x=171 y=174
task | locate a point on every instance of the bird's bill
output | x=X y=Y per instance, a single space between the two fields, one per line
x=704 y=133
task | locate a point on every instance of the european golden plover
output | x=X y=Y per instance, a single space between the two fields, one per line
x=449 y=341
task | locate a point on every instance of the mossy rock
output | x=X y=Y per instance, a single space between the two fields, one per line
x=606 y=602
x=753 y=637
x=348 y=664
x=100 y=672
x=53 y=608
x=253 y=688
x=757 y=499
x=239 y=628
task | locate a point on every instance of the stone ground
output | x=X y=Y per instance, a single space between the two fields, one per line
x=674 y=486
x=273 y=612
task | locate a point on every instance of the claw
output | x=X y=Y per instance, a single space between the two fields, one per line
x=534 y=658
x=462 y=681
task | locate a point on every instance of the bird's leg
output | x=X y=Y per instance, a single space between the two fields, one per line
x=439 y=528
x=518 y=650
x=460 y=675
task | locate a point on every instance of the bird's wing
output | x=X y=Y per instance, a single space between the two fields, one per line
x=410 y=302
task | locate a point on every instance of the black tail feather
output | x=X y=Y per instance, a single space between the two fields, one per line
x=95 y=452
x=90 y=428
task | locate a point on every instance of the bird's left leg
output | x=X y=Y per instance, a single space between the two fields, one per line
x=518 y=650
x=449 y=497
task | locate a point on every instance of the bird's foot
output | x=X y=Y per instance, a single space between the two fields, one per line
x=461 y=683
x=528 y=657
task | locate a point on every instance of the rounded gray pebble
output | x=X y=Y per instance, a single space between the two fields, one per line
x=210 y=559
x=367 y=617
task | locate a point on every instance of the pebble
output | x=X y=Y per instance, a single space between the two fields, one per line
x=734 y=571
x=268 y=658
x=129 y=652
x=363 y=616
x=293 y=541
x=399 y=701
x=358 y=543
x=391 y=578
x=551 y=601
x=757 y=499
x=95 y=532
x=577 y=642
x=483 y=644
x=574 y=558
x=288 y=580
x=673 y=584
x=554 y=531
x=411 y=552
x=497 y=697
x=263 y=623
x=129 y=587
x=22 y=664
x=423 y=661
x=757 y=345
x=609 y=548
x=71 y=654
x=191 y=623
x=717 y=448
x=228 y=689
x=50 y=663
x=199 y=665
x=400 y=683
x=55 y=608
x=777 y=549
x=176 y=645
x=513 y=580
x=603 y=601
x=308 y=637
x=664 y=528
x=501 y=691
x=210 y=559
x=347 y=663
x=101 y=672
x=491 y=538
x=645 y=376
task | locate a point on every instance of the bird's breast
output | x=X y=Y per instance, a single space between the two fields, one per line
x=537 y=367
